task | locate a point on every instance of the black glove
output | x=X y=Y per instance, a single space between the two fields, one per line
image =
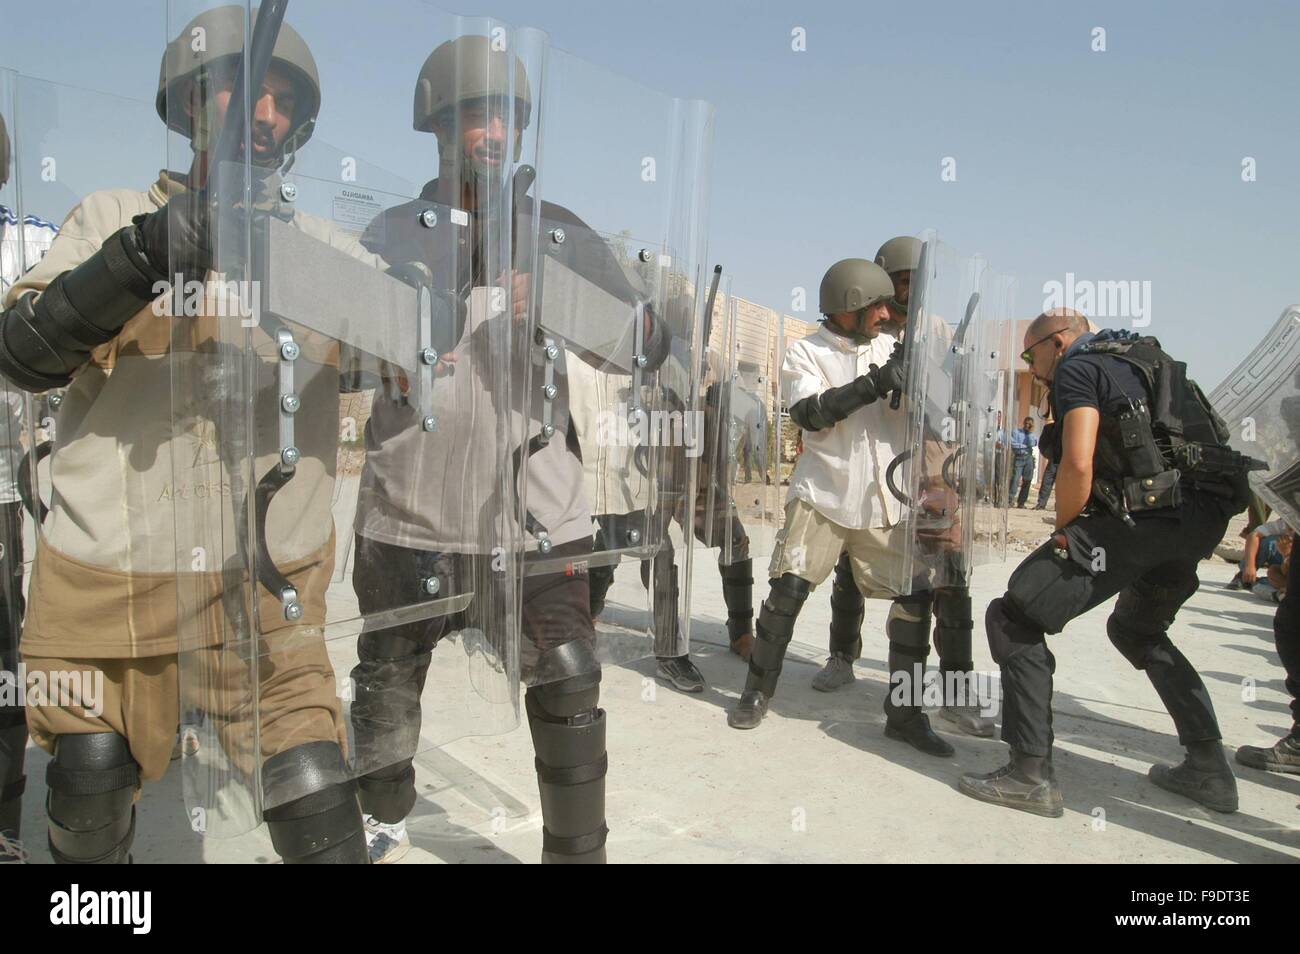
x=878 y=382
x=181 y=228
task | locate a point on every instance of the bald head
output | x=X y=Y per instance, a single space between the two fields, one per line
x=1049 y=336
x=1058 y=319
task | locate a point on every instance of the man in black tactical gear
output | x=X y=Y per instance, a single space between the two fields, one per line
x=1145 y=488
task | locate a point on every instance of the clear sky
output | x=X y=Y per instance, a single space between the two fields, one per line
x=1122 y=165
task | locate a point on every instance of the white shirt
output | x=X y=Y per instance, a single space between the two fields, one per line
x=841 y=471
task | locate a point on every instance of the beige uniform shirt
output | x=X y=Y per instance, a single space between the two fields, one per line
x=132 y=552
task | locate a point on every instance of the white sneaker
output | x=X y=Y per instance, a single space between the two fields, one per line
x=837 y=672
x=385 y=843
x=12 y=851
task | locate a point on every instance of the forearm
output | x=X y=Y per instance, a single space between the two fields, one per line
x=1073 y=488
x=43 y=340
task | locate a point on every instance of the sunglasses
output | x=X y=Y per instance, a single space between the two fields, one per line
x=1027 y=356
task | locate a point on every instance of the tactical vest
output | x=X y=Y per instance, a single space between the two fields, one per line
x=1165 y=441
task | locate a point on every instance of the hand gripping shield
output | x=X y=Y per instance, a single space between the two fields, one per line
x=1260 y=404
x=344 y=391
x=934 y=476
x=617 y=290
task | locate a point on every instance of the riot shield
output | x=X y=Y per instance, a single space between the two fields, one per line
x=75 y=143
x=346 y=386
x=620 y=202
x=934 y=476
x=990 y=400
x=755 y=338
x=16 y=248
x=1260 y=404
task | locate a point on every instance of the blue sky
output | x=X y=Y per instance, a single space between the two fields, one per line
x=1123 y=165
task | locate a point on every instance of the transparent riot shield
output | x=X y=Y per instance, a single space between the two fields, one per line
x=753 y=420
x=617 y=287
x=990 y=381
x=77 y=144
x=934 y=475
x=1260 y=404
x=346 y=385
x=16 y=249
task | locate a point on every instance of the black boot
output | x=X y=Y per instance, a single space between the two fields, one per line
x=775 y=627
x=1027 y=783
x=738 y=594
x=905 y=719
x=571 y=766
x=1204 y=776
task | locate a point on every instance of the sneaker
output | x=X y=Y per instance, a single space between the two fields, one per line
x=1011 y=788
x=1284 y=756
x=386 y=843
x=837 y=672
x=1214 y=788
x=968 y=719
x=681 y=673
x=1235 y=582
x=12 y=850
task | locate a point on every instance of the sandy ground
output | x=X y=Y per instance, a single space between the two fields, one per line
x=818 y=781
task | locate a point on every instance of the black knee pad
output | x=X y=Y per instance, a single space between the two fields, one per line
x=388 y=793
x=775 y=627
x=566 y=682
x=571 y=764
x=738 y=595
x=908 y=625
x=953 y=626
x=323 y=825
x=1010 y=630
x=91 y=784
x=847 y=610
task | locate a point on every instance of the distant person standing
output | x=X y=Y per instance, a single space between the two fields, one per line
x=1023 y=444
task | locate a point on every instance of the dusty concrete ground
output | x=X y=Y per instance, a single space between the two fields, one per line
x=818 y=781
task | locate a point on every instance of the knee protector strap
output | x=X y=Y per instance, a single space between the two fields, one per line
x=324 y=825
x=569 y=681
x=571 y=764
x=90 y=803
x=389 y=793
x=909 y=621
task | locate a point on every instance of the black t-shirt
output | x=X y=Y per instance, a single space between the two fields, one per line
x=1102 y=381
